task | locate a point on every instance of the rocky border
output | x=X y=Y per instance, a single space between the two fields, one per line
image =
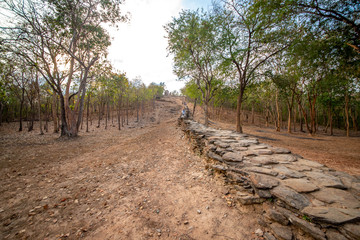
x=301 y=199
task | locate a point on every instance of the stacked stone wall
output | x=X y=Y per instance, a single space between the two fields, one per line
x=301 y=199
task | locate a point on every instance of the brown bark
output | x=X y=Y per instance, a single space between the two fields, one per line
x=87 y=113
x=347 y=114
x=54 y=112
x=194 y=108
x=119 y=113
x=289 y=119
x=294 y=120
x=277 y=112
x=39 y=103
x=252 y=114
x=21 y=109
x=238 y=111
x=107 y=111
x=353 y=117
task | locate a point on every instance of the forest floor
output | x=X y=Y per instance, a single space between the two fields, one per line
x=142 y=182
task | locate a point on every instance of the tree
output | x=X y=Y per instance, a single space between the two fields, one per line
x=192 y=41
x=248 y=40
x=63 y=40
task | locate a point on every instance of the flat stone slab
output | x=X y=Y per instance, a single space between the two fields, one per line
x=332 y=215
x=219 y=168
x=277 y=217
x=298 y=168
x=263 y=181
x=215 y=156
x=281 y=231
x=264 y=152
x=238 y=147
x=300 y=185
x=232 y=157
x=288 y=172
x=325 y=180
x=290 y=197
x=222 y=144
x=285 y=158
x=261 y=170
x=279 y=150
x=342 y=198
x=312 y=164
x=307 y=227
x=263 y=160
x=258 y=147
x=351 y=229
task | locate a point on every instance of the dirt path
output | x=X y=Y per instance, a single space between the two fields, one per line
x=139 y=183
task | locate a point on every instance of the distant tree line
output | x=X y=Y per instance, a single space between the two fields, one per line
x=288 y=60
x=53 y=66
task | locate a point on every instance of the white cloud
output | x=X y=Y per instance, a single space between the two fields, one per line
x=139 y=47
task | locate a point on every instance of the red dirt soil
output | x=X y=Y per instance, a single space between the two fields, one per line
x=142 y=182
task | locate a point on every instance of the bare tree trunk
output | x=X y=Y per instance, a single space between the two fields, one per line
x=107 y=111
x=21 y=109
x=238 y=112
x=39 y=103
x=46 y=127
x=347 y=114
x=127 y=111
x=137 y=110
x=267 y=116
x=87 y=113
x=294 y=119
x=331 y=124
x=64 y=130
x=100 y=104
x=206 y=113
x=313 y=115
x=119 y=114
x=54 y=112
x=121 y=110
x=277 y=112
x=289 y=118
x=194 y=107
x=252 y=114
x=301 y=119
x=353 y=117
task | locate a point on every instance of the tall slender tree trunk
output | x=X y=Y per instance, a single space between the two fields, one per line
x=313 y=117
x=289 y=118
x=137 y=110
x=127 y=110
x=238 y=111
x=252 y=114
x=107 y=111
x=87 y=113
x=347 y=114
x=100 y=104
x=277 y=112
x=54 y=112
x=21 y=109
x=1 y=110
x=32 y=113
x=63 y=128
x=300 y=118
x=39 y=103
x=294 y=119
x=206 y=113
x=119 y=113
x=353 y=117
x=193 y=113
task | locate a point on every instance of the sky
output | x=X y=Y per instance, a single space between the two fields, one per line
x=139 y=47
